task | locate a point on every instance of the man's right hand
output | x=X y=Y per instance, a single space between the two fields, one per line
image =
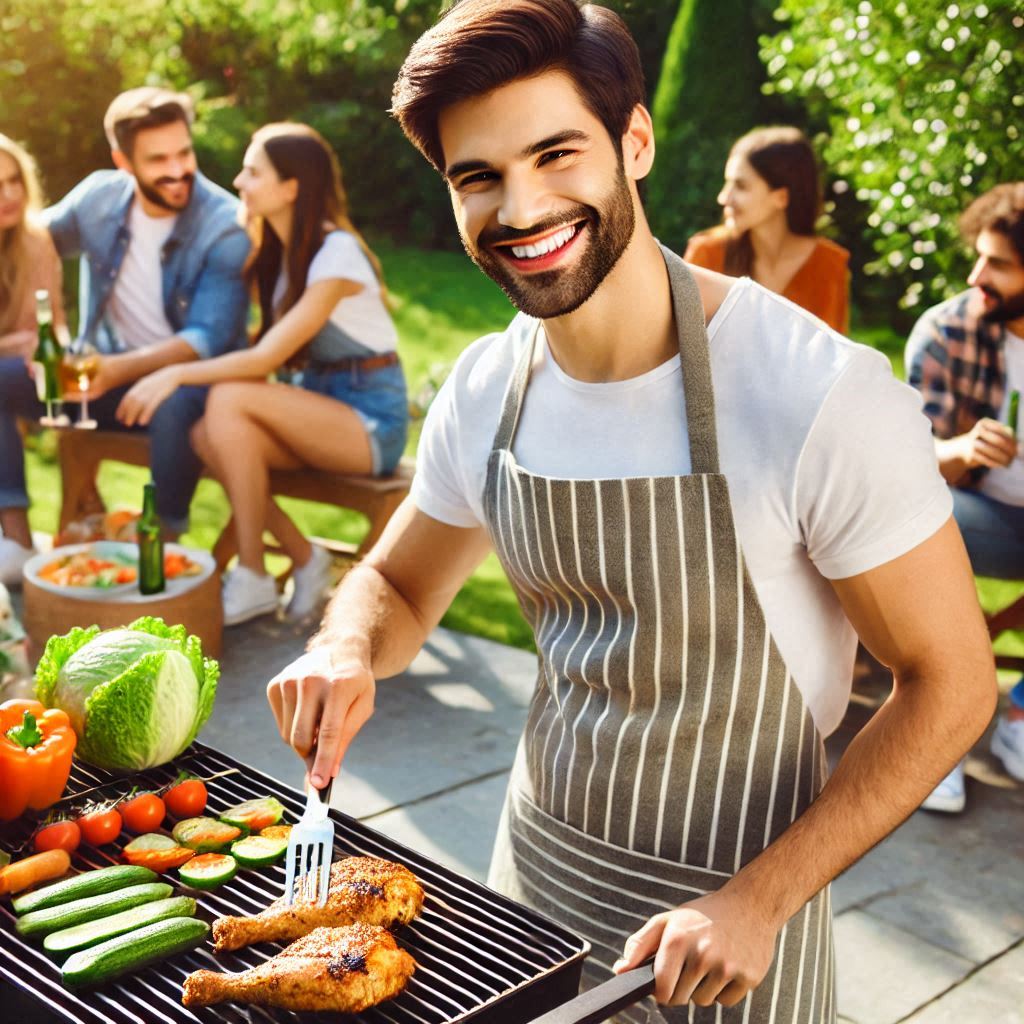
x=320 y=701
x=988 y=443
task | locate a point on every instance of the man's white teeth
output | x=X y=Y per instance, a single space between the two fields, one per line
x=545 y=245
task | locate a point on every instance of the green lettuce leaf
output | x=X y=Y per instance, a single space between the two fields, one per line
x=139 y=719
x=58 y=650
x=137 y=696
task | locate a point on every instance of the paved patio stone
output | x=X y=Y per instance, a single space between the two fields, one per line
x=884 y=973
x=993 y=995
x=456 y=828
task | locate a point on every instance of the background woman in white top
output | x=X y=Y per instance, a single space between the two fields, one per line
x=325 y=330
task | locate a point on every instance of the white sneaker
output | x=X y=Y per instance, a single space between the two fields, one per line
x=12 y=560
x=247 y=594
x=312 y=581
x=1008 y=745
x=949 y=795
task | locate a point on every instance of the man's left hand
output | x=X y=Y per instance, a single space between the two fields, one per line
x=145 y=396
x=713 y=949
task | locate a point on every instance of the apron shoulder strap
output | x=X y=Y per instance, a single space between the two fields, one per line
x=512 y=403
x=695 y=359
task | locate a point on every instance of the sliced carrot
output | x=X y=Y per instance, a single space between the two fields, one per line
x=40 y=867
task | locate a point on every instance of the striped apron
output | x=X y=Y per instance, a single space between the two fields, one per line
x=666 y=743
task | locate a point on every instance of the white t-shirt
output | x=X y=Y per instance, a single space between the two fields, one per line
x=1007 y=484
x=829 y=459
x=135 y=311
x=363 y=316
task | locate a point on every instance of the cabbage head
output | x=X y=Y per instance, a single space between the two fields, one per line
x=136 y=696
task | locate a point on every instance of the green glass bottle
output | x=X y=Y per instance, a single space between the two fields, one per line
x=48 y=356
x=1011 y=418
x=151 y=544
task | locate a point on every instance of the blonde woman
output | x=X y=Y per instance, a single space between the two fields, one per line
x=28 y=262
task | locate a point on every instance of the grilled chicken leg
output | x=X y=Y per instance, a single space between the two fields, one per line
x=346 y=970
x=361 y=889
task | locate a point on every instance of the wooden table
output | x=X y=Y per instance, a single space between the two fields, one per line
x=194 y=602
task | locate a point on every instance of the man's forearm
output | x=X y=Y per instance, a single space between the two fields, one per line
x=128 y=367
x=369 y=620
x=885 y=773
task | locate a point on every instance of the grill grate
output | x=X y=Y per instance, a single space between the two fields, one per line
x=478 y=954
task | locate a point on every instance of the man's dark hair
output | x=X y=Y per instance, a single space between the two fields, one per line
x=1000 y=209
x=138 y=109
x=479 y=45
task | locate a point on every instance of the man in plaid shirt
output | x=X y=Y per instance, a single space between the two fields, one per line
x=966 y=357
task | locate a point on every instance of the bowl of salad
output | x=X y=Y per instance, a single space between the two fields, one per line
x=110 y=569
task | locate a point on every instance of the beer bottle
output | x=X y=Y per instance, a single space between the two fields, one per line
x=48 y=356
x=151 y=544
x=1011 y=419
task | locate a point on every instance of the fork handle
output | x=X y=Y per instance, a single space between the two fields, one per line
x=325 y=793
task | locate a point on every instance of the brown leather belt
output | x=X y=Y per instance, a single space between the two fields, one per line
x=365 y=364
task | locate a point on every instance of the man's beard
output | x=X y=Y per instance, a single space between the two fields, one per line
x=151 y=193
x=550 y=293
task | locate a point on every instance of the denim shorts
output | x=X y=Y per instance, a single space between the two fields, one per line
x=380 y=399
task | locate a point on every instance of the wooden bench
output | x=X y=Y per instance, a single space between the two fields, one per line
x=81 y=453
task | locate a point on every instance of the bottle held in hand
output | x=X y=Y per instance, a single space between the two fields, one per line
x=46 y=362
x=151 y=544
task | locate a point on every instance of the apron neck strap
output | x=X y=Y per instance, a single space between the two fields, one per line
x=696 y=368
x=512 y=405
x=695 y=360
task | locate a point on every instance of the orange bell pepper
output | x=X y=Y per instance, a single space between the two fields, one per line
x=35 y=756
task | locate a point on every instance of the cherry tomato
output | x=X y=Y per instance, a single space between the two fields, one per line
x=187 y=799
x=101 y=826
x=143 y=813
x=61 y=835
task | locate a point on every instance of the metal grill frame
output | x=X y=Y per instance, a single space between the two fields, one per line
x=480 y=956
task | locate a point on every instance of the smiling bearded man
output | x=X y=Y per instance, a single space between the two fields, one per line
x=694 y=533
x=603 y=231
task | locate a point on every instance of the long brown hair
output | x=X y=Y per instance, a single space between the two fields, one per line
x=783 y=157
x=479 y=45
x=299 y=152
x=15 y=256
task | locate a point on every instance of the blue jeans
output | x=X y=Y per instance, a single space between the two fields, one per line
x=378 y=396
x=993 y=533
x=174 y=465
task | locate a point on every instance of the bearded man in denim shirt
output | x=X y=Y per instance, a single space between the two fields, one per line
x=162 y=255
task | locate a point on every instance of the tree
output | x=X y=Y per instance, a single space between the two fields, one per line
x=649 y=22
x=924 y=103
x=708 y=94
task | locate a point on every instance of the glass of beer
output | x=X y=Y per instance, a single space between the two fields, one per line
x=80 y=365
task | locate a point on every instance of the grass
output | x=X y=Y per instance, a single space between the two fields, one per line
x=441 y=303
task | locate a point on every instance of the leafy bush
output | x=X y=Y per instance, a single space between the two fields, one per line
x=924 y=102
x=708 y=94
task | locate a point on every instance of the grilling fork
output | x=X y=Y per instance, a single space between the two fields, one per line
x=311 y=850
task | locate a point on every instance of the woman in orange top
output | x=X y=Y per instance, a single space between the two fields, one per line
x=770 y=202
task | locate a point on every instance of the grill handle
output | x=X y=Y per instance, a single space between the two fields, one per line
x=604 y=1000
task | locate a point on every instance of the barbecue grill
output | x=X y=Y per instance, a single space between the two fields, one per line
x=479 y=956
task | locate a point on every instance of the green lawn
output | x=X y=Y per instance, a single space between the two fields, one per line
x=441 y=303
